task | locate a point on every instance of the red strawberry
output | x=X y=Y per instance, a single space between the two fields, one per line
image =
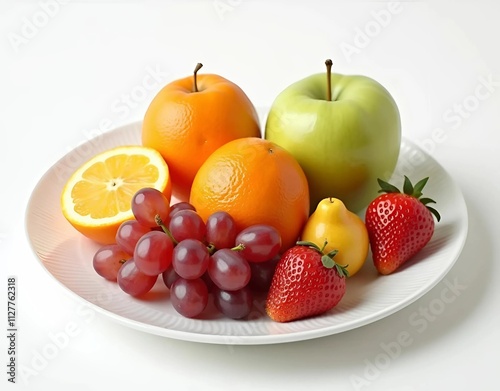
x=306 y=282
x=399 y=224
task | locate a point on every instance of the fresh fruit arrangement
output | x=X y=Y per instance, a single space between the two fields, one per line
x=218 y=213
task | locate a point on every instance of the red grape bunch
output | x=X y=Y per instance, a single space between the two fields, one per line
x=194 y=258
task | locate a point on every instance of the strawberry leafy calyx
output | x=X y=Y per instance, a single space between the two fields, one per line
x=411 y=190
x=326 y=259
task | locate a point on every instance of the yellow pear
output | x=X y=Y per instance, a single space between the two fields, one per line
x=342 y=230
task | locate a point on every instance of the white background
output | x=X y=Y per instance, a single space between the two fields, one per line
x=70 y=70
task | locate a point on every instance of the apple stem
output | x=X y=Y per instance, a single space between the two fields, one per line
x=198 y=67
x=328 y=64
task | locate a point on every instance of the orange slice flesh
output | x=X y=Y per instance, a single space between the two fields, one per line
x=97 y=197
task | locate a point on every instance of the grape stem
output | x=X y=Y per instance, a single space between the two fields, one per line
x=211 y=249
x=239 y=247
x=160 y=223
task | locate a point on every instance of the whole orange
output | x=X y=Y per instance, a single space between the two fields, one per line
x=190 y=118
x=256 y=182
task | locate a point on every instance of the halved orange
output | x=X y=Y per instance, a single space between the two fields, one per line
x=97 y=197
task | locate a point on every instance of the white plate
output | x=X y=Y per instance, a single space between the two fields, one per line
x=67 y=256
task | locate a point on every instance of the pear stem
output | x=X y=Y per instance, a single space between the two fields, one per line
x=328 y=64
x=195 y=84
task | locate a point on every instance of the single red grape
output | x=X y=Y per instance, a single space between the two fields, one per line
x=260 y=242
x=189 y=297
x=153 y=253
x=132 y=281
x=108 y=260
x=190 y=258
x=129 y=232
x=149 y=202
x=183 y=205
x=234 y=304
x=187 y=224
x=169 y=276
x=262 y=274
x=229 y=270
x=221 y=230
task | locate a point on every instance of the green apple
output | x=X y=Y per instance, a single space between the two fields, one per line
x=345 y=132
